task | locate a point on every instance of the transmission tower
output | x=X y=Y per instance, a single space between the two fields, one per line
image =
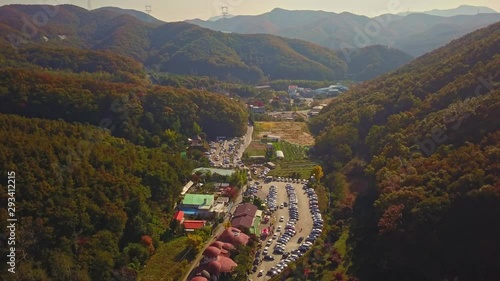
x=89 y=5
x=148 y=9
x=225 y=11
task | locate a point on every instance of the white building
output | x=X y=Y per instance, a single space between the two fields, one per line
x=280 y=155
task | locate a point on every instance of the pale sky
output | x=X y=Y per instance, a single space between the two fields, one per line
x=178 y=10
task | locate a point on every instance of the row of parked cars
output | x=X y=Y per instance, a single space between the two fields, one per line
x=290 y=231
x=306 y=243
x=315 y=213
x=290 y=180
x=271 y=199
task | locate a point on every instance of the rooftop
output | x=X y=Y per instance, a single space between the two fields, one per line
x=193 y=224
x=179 y=215
x=198 y=199
x=186 y=187
x=242 y=221
x=246 y=209
x=222 y=172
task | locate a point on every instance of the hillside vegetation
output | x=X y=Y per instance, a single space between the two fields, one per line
x=179 y=48
x=84 y=199
x=108 y=90
x=97 y=152
x=420 y=148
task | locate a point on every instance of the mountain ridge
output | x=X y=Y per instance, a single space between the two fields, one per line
x=181 y=47
x=419 y=150
x=331 y=29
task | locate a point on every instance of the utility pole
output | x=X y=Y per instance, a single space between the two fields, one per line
x=89 y=5
x=225 y=11
x=148 y=9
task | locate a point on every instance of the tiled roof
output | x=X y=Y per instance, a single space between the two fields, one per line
x=242 y=221
x=234 y=236
x=192 y=224
x=245 y=209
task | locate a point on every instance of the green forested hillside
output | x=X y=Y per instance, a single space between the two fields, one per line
x=420 y=148
x=84 y=199
x=372 y=61
x=96 y=149
x=136 y=112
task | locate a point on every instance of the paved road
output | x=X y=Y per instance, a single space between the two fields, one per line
x=305 y=222
x=220 y=228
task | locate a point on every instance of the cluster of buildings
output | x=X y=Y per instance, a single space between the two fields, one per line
x=217 y=257
x=200 y=206
x=332 y=90
x=316 y=110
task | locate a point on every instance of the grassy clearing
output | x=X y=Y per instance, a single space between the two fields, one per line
x=169 y=262
x=256 y=149
x=303 y=167
x=291 y=151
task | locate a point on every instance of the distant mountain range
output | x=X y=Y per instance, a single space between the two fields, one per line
x=461 y=10
x=184 y=48
x=415 y=34
x=136 y=14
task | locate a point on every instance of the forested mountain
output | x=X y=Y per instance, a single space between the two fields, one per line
x=414 y=34
x=138 y=113
x=84 y=199
x=96 y=149
x=372 y=61
x=420 y=149
x=136 y=14
x=179 y=48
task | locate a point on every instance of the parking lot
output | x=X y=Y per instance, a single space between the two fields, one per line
x=226 y=153
x=283 y=240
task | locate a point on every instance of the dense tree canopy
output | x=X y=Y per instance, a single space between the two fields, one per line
x=427 y=137
x=84 y=199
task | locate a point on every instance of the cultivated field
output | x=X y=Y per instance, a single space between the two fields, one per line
x=293 y=132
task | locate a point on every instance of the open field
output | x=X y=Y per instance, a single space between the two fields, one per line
x=304 y=168
x=291 y=151
x=293 y=132
x=256 y=148
x=169 y=262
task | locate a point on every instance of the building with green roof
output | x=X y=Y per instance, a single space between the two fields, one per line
x=197 y=204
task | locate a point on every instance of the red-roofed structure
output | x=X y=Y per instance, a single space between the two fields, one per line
x=211 y=252
x=191 y=225
x=179 y=216
x=243 y=216
x=216 y=257
x=234 y=236
x=227 y=264
x=199 y=278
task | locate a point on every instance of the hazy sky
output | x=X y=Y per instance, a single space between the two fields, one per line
x=177 y=10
